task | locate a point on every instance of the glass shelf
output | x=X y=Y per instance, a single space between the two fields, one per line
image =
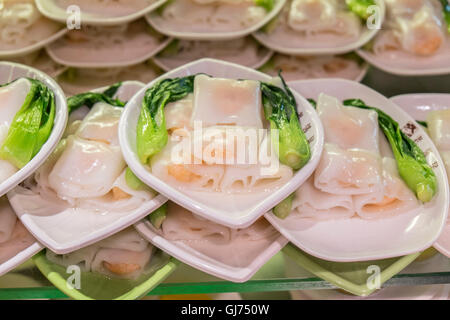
x=280 y=274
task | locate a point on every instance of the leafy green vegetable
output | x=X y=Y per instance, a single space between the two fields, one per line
x=360 y=7
x=134 y=182
x=31 y=125
x=411 y=162
x=158 y=216
x=151 y=128
x=111 y=91
x=266 y=4
x=446 y=12
x=280 y=109
x=283 y=209
x=90 y=98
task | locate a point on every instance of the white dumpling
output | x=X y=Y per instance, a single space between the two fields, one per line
x=101 y=124
x=8 y=220
x=348 y=171
x=310 y=202
x=396 y=197
x=220 y=101
x=348 y=127
x=86 y=169
x=178 y=113
x=12 y=98
x=181 y=225
x=439 y=128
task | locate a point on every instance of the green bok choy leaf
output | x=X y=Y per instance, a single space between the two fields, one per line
x=280 y=109
x=411 y=162
x=151 y=130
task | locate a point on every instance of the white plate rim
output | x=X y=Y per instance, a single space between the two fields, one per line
x=185 y=201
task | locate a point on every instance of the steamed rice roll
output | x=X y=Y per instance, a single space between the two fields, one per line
x=86 y=170
x=351 y=161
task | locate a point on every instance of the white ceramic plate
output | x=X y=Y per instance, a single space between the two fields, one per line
x=239 y=214
x=10 y=71
x=271 y=41
x=137 y=45
x=355 y=239
x=405 y=64
x=262 y=55
x=418 y=105
x=163 y=26
x=51 y=9
x=261 y=250
x=70 y=230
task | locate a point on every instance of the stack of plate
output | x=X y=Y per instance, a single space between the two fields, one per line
x=142 y=42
